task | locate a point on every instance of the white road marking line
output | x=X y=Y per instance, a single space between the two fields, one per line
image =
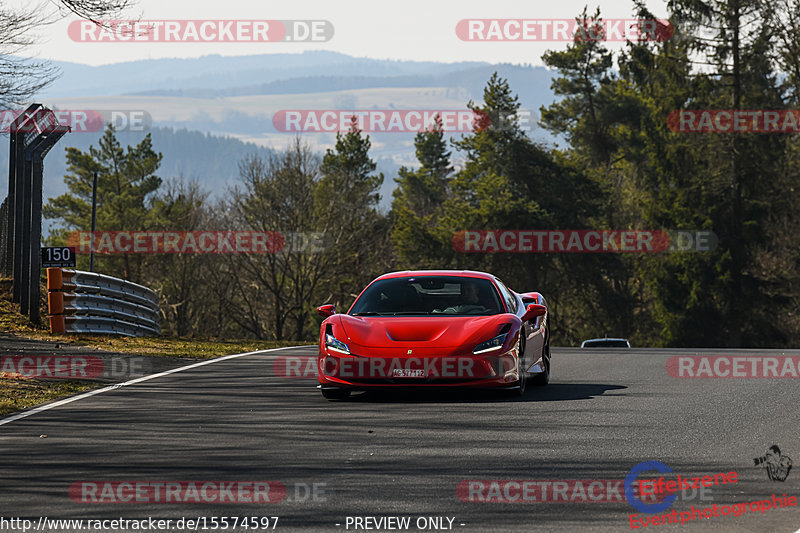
x=47 y=407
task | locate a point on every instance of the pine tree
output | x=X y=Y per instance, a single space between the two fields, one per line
x=346 y=201
x=418 y=200
x=126 y=181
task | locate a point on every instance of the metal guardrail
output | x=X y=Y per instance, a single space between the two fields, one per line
x=85 y=302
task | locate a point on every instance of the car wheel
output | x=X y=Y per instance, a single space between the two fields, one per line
x=523 y=376
x=540 y=380
x=336 y=394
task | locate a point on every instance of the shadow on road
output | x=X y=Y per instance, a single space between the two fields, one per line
x=551 y=393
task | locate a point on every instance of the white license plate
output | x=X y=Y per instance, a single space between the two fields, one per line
x=407 y=373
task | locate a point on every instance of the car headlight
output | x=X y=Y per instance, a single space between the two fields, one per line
x=491 y=345
x=334 y=344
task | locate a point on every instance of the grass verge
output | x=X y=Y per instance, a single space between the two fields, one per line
x=18 y=393
x=166 y=347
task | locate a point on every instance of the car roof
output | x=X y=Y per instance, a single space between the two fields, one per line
x=605 y=339
x=456 y=273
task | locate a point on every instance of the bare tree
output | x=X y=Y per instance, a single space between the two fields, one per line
x=278 y=197
x=21 y=77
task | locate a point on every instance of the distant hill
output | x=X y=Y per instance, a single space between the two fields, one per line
x=209 y=112
x=220 y=72
x=208 y=159
x=534 y=80
x=216 y=76
x=211 y=160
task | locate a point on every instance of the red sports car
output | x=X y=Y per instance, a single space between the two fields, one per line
x=445 y=328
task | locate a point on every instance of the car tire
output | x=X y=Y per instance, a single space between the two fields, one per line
x=523 y=375
x=336 y=394
x=541 y=380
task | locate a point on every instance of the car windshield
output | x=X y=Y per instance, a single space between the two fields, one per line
x=429 y=295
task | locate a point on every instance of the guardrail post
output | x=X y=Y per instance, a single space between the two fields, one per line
x=55 y=300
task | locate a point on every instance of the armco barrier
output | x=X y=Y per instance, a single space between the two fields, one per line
x=85 y=302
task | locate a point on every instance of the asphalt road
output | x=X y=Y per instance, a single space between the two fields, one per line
x=405 y=454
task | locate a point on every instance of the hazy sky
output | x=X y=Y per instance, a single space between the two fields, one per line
x=409 y=29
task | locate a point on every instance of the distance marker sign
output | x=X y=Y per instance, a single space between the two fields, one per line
x=58 y=256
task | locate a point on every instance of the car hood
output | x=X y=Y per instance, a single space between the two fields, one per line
x=421 y=332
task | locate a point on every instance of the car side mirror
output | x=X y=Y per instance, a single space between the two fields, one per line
x=326 y=310
x=533 y=311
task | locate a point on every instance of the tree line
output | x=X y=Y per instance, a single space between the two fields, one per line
x=621 y=167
